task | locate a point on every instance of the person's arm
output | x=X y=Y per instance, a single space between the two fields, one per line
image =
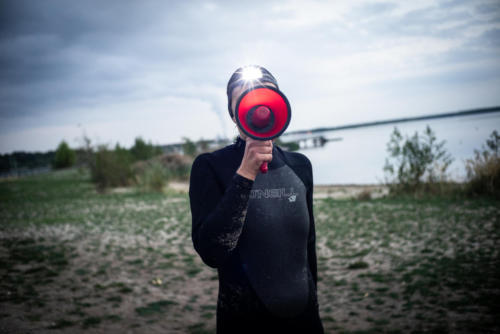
x=311 y=243
x=217 y=215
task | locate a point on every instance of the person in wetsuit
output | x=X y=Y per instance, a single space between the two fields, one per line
x=257 y=230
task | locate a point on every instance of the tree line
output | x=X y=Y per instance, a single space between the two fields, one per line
x=65 y=157
x=415 y=164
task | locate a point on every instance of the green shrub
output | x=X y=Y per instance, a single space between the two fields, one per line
x=416 y=164
x=64 y=156
x=155 y=173
x=179 y=166
x=154 y=177
x=483 y=171
x=111 y=168
x=364 y=195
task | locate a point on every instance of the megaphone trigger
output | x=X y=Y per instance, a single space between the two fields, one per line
x=264 y=168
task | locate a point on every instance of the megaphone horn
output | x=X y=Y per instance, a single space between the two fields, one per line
x=263 y=113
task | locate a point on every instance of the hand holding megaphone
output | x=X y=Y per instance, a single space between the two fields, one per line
x=257 y=153
x=262 y=113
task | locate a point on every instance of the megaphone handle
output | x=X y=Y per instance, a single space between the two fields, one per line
x=263 y=167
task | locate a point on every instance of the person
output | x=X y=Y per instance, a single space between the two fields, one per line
x=257 y=229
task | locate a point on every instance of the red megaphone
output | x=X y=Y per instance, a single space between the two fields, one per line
x=263 y=113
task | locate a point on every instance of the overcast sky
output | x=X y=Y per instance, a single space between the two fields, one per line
x=116 y=70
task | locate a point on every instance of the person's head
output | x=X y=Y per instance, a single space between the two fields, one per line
x=244 y=78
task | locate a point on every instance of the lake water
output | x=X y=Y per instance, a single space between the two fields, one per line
x=360 y=156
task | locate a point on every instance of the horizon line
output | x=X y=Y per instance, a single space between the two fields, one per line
x=468 y=112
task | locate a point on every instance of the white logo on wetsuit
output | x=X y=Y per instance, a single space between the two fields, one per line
x=274 y=193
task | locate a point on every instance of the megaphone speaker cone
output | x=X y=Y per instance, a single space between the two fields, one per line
x=263 y=112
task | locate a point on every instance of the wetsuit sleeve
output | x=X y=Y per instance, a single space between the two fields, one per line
x=311 y=243
x=217 y=214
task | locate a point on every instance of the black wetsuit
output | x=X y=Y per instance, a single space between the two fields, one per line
x=260 y=236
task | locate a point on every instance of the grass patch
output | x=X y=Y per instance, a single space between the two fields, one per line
x=199 y=328
x=192 y=272
x=91 y=322
x=153 y=308
x=358 y=265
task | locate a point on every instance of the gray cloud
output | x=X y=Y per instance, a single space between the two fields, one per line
x=56 y=54
x=374 y=8
x=61 y=62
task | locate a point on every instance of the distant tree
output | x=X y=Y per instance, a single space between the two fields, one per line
x=203 y=145
x=5 y=163
x=289 y=146
x=144 y=151
x=189 y=147
x=64 y=157
x=25 y=160
x=85 y=154
x=415 y=160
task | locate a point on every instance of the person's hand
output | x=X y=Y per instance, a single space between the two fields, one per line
x=256 y=152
